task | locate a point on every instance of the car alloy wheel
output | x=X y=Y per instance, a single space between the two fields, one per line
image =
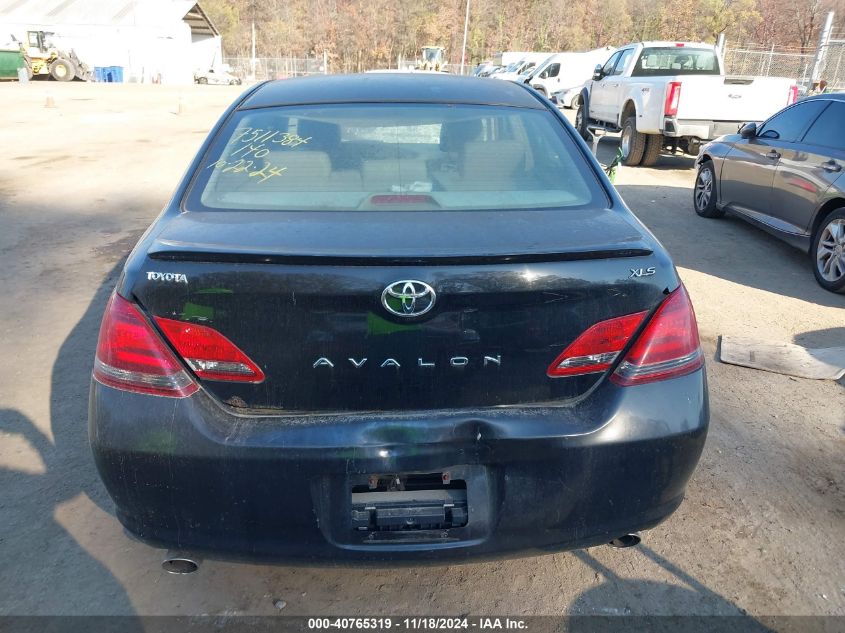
x=703 y=188
x=830 y=254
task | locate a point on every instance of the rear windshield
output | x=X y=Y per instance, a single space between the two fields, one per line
x=403 y=156
x=676 y=60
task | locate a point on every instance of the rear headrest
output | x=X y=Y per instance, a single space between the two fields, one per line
x=455 y=134
x=323 y=135
x=494 y=162
x=303 y=169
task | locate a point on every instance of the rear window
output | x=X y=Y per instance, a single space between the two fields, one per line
x=394 y=156
x=676 y=60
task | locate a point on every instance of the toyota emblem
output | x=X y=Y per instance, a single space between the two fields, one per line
x=408 y=298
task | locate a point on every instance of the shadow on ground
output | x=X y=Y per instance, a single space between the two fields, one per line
x=63 y=564
x=691 y=602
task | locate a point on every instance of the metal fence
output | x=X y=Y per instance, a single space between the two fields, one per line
x=770 y=63
x=276 y=67
x=807 y=67
x=833 y=65
x=795 y=65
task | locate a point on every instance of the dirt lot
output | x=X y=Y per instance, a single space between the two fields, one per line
x=761 y=530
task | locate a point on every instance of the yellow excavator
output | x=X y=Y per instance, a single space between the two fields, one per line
x=42 y=57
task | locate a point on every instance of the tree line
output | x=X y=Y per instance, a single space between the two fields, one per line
x=358 y=35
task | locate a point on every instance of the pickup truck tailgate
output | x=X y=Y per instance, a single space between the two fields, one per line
x=742 y=99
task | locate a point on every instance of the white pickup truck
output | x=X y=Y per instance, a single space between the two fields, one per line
x=675 y=95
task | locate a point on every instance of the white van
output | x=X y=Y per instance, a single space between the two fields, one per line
x=564 y=72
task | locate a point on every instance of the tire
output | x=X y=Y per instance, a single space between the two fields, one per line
x=828 y=252
x=704 y=192
x=62 y=70
x=202 y=80
x=233 y=82
x=653 y=149
x=633 y=143
x=575 y=103
x=582 y=120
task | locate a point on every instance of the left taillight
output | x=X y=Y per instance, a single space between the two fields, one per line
x=793 y=95
x=132 y=357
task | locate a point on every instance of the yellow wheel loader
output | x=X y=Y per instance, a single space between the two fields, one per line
x=433 y=58
x=43 y=58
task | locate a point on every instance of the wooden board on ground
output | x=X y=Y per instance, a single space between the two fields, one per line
x=826 y=363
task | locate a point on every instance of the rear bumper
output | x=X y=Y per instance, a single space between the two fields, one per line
x=189 y=474
x=704 y=130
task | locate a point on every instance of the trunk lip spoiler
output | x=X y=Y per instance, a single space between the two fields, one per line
x=250 y=257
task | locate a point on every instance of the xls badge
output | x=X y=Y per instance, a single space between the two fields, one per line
x=642 y=272
x=408 y=298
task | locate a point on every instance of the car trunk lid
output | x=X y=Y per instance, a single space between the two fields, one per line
x=513 y=289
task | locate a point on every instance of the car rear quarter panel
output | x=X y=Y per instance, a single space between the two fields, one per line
x=646 y=97
x=716 y=152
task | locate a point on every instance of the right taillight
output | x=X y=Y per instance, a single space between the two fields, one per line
x=673 y=97
x=793 y=95
x=132 y=357
x=667 y=347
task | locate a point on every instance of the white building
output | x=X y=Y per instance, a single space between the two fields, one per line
x=150 y=39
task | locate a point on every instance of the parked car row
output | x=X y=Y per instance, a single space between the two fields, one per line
x=558 y=76
x=778 y=167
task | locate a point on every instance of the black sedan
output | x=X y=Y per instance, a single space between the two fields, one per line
x=786 y=177
x=396 y=317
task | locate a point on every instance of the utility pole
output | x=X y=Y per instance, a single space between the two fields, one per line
x=821 y=51
x=464 y=47
x=254 y=61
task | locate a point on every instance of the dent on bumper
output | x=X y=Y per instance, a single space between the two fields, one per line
x=188 y=473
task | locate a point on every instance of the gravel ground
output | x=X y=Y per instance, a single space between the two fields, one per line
x=761 y=528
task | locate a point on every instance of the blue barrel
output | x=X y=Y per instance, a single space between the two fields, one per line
x=99 y=73
x=116 y=73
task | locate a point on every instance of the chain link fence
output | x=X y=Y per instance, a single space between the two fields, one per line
x=770 y=63
x=833 y=67
x=774 y=62
x=276 y=67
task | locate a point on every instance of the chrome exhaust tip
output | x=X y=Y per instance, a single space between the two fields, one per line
x=180 y=563
x=627 y=540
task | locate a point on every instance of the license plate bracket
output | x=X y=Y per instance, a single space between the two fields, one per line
x=402 y=510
